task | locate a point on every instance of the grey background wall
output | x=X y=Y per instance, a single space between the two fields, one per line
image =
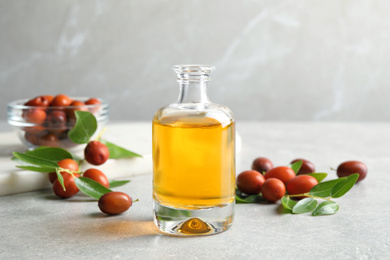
x=276 y=60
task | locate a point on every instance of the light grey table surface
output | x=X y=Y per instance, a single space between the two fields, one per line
x=37 y=225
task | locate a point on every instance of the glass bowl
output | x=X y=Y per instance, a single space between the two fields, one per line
x=49 y=125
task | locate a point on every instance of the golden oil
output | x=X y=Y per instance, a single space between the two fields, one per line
x=193 y=162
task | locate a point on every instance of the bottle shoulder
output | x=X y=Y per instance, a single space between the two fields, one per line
x=197 y=113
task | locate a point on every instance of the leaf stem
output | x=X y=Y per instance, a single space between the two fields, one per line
x=100 y=134
x=308 y=195
x=71 y=172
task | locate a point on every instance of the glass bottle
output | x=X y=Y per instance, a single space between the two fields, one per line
x=193 y=159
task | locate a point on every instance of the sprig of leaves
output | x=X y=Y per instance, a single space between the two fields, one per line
x=38 y=160
x=44 y=159
x=325 y=191
x=41 y=164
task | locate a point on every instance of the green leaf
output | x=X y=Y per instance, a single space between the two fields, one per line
x=324 y=189
x=117 y=152
x=326 y=208
x=60 y=178
x=248 y=199
x=344 y=186
x=37 y=169
x=305 y=205
x=115 y=183
x=296 y=166
x=240 y=198
x=90 y=187
x=85 y=127
x=288 y=203
x=50 y=153
x=31 y=159
x=318 y=175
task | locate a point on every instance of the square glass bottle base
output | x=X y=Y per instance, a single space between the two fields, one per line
x=185 y=222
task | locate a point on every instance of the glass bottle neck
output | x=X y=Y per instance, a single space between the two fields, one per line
x=193 y=92
x=193 y=80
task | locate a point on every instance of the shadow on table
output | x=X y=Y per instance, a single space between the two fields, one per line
x=281 y=210
x=119 y=229
x=77 y=198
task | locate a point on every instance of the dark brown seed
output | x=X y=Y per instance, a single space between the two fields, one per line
x=262 y=165
x=96 y=153
x=350 y=167
x=114 y=203
x=307 y=166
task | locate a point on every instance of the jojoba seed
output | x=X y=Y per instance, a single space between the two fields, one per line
x=114 y=203
x=250 y=182
x=34 y=116
x=273 y=189
x=40 y=101
x=32 y=138
x=92 y=101
x=47 y=99
x=67 y=163
x=61 y=100
x=70 y=187
x=38 y=130
x=52 y=176
x=350 y=167
x=96 y=153
x=282 y=173
x=76 y=105
x=301 y=184
x=56 y=119
x=49 y=139
x=307 y=166
x=98 y=176
x=262 y=165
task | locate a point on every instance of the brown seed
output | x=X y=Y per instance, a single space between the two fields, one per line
x=40 y=101
x=70 y=187
x=98 y=176
x=350 y=167
x=76 y=105
x=301 y=184
x=273 y=189
x=250 y=182
x=61 y=100
x=56 y=119
x=49 y=139
x=67 y=163
x=114 y=203
x=35 y=116
x=96 y=153
x=262 y=165
x=307 y=166
x=282 y=173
